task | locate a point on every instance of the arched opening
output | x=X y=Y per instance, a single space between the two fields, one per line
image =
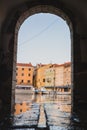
x=12 y=16
x=42 y=9
x=17 y=23
x=50 y=28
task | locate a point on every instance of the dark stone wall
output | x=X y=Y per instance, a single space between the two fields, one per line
x=78 y=17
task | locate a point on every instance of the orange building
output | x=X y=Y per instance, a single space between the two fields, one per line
x=24 y=74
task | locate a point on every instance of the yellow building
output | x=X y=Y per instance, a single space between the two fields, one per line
x=53 y=75
x=24 y=74
x=40 y=75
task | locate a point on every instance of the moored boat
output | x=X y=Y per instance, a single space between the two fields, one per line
x=24 y=89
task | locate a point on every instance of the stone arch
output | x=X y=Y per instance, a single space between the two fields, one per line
x=46 y=9
x=43 y=9
x=10 y=24
x=11 y=29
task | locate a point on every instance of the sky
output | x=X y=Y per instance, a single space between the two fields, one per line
x=44 y=38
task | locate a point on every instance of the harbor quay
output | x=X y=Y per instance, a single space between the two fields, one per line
x=44 y=112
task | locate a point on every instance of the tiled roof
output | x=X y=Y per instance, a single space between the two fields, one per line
x=24 y=64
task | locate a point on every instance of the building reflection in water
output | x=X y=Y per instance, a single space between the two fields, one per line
x=43 y=110
x=21 y=107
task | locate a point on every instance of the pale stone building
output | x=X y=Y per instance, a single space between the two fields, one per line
x=59 y=75
x=50 y=77
x=67 y=74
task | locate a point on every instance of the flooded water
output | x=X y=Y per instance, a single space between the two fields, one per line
x=45 y=112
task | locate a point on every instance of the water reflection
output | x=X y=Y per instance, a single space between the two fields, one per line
x=42 y=111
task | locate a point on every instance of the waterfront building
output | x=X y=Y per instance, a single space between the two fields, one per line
x=67 y=74
x=40 y=75
x=59 y=75
x=24 y=74
x=63 y=74
x=49 y=77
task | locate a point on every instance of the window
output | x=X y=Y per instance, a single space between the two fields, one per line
x=22 y=74
x=29 y=69
x=29 y=74
x=22 y=68
x=28 y=81
x=16 y=68
x=22 y=81
x=16 y=74
x=43 y=80
x=20 y=110
x=48 y=80
x=14 y=110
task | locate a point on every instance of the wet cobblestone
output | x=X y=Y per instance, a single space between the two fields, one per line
x=46 y=112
